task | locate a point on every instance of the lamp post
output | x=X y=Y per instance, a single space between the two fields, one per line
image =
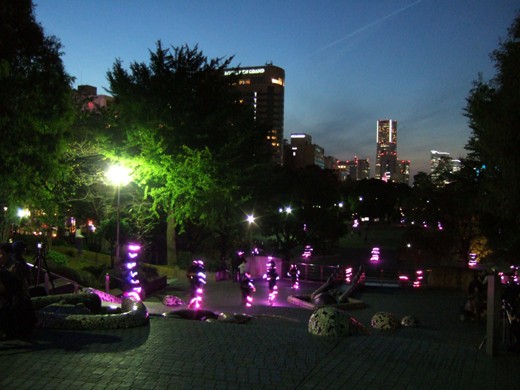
x=119 y=176
x=251 y=220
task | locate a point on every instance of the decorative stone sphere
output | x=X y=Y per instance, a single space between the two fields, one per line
x=172 y=300
x=383 y=321
x=324 y=298
x=409 y=321
x=329 y=321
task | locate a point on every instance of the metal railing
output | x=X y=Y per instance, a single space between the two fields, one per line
x=314 y=272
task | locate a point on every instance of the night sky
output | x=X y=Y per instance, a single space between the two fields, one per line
x=348 y=63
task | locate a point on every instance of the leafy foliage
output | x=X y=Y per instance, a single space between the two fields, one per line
x=178 y=123
x=35 y=108
x=494 y=117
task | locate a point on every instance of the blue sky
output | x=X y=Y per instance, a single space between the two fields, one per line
x=348 y=63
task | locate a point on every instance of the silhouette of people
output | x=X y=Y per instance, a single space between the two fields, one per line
x=80 y=240
x=247 y=288
x=17 y=316
x=272 y=277
x=23 y=270
x=294 y=274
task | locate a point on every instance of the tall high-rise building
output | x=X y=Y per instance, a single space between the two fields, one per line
x=403 y=172
x=386 y=153
x=263 y=88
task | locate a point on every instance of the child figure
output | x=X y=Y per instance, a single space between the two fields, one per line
x=247 y=288
x=294 y=274
x=272 y=276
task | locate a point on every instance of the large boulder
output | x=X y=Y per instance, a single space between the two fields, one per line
x=409 y=321
x=329 y=321
x=64 y=313
x=384 y=321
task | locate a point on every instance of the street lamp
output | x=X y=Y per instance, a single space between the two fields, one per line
x=119 y=176
x=250 y=219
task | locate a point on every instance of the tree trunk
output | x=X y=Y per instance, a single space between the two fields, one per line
x=171 y=240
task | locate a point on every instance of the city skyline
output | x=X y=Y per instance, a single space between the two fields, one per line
x=347 y=64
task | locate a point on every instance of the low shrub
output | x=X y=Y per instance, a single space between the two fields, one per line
x=58 y=258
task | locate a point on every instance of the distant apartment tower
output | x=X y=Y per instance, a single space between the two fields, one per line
x=331 y=163
x=356 y=169
x=301 y=152
x=386 y=152
x=91 y=100
x=263 y=88
x=438 y=159
x=442 y=163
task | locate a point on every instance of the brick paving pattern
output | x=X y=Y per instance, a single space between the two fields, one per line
x=272 y=351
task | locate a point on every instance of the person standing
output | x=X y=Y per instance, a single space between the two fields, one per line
x=80 y=240
x=247 y=288
x=241 y=270
x=272 y=277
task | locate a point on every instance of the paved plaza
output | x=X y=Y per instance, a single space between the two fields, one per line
x=272 y=351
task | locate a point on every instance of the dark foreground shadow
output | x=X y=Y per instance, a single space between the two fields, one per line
x=73 y=340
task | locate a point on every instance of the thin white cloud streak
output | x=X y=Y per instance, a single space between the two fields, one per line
x=360 y=30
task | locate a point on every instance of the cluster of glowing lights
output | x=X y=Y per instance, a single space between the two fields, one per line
x=286 y=210
x=348 y=275
x=272 y=276
x=200 y=280
x=426 y=225
x=135 y=288
x=355 y=224
x=375 y=255
x=307 y=253
x=250 y=289
x=272 y=295
x=90 y=226
x=418 y=280
x=511 y=277
x=472 y=259
x=419 y=276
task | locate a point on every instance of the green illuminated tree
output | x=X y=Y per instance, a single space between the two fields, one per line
x=177 y=121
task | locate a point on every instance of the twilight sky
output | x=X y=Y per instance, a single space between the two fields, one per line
x=348 y=63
